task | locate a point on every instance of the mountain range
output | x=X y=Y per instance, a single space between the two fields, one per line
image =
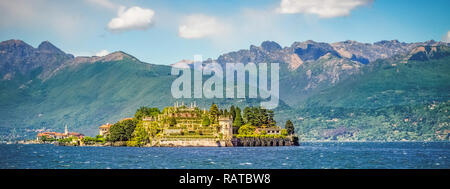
x=339 y=91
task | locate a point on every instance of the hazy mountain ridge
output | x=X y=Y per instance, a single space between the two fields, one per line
x=312 y=65
x=46 y=88
x=18 y=57
x=270 y=51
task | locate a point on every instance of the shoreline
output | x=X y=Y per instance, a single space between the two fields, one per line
x=31 y=142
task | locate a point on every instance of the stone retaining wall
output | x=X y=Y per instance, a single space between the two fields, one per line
x=191 y=142
x=262 y=142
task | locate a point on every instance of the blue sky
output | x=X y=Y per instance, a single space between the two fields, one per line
x=164 y=32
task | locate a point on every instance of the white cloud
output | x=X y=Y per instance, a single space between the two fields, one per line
x=102 y=53
x=322 y=8
x=104 y=3
x=132 y=18
x=200 y=26
x=446 y=37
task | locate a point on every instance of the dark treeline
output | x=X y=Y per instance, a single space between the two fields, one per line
x=255 y=116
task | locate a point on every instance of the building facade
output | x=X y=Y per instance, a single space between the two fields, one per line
x=269 y=131
x=226 y=127
x=104 y=129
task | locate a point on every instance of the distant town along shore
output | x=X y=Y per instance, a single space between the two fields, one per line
x=182 y=125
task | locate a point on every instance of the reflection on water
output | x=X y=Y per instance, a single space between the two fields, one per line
x=398 y=155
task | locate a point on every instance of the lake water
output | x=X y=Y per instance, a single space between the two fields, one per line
x=398 y=155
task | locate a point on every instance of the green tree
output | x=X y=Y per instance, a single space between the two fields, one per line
x=66 y=140
x=259 y=116
x=155 y=130
x=140 y=135
x=289 y=126
x=43 y=138
x=247 y=130
x=226 y=113
x=100 y=138
x=232 y=112
x=214 y=113
x=47 y=139
x=284 y=132
x=248 y=114
x=122 y=131
x=89 y=140
x=146 y=111
x=270 y=118
x=238 y=121
x=263 y=132
x=206 y=121
x=172 y=121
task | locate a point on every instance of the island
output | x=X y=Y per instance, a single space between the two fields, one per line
x=183 y=126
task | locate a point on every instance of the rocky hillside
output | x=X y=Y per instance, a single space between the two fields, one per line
x=309 y=66
x=46 y=88
x=401 y=98
x=300 y=52
x=19 y=58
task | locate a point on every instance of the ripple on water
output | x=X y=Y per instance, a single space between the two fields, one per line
x=309 y=155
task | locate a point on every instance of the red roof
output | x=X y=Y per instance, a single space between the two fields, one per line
x=75 y=134
x=128 y=118
x=106 y=126
x=59 y=134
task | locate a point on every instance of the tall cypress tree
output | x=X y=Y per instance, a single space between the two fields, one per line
x=248 y=114
x=214 y=113
x=232 y=112
x=271 y=119
x=206 y=121
x=238 y=120
x=289 y=127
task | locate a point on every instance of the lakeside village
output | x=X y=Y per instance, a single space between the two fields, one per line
x=182 y=125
